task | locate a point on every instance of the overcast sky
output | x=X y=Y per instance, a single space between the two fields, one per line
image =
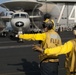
x=2 y=1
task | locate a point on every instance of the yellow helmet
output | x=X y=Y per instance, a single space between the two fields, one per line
x=51 y=22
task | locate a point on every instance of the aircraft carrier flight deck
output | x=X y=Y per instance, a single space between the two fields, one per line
x=20 y=59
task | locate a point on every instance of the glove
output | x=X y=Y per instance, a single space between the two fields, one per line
x=16 y=35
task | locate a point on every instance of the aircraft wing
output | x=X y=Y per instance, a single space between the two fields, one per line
x=33 y=17
x=6 y=18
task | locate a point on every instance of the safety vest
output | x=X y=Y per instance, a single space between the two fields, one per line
x=52 y=40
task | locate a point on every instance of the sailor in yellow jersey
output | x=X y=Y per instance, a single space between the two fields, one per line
x=49 y=39
x=68 y=48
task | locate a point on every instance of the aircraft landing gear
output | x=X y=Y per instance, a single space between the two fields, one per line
x=4 y=34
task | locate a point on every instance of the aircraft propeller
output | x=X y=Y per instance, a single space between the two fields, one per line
x=47 y=7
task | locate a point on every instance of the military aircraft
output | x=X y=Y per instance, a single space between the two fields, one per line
x=23 y=14
x=19 y=18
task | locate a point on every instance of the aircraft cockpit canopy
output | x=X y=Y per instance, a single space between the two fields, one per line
x=20 y=15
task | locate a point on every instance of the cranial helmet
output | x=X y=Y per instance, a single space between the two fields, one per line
x=49 y=25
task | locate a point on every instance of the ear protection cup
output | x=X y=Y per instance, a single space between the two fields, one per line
x=49 y=25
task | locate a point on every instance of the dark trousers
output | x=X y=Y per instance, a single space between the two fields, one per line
x=49 y=68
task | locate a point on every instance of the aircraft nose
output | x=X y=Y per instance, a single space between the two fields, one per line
x=19 y=24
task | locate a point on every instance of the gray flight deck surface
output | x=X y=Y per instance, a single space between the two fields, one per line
x=19 y=58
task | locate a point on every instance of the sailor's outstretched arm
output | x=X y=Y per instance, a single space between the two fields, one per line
x=38 y=36
x=63 y=49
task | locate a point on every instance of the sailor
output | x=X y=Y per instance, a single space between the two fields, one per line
x=69 y=49
x=49 y=38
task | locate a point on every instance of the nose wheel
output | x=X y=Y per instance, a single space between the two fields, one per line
x=20 y=40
